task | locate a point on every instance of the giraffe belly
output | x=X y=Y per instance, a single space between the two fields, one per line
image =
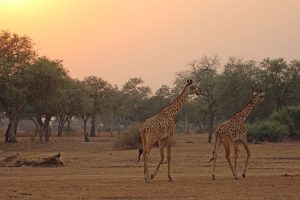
x=163 y=135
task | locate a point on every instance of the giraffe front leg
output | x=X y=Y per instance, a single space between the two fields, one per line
x=161 y=146
x=146 y=175
x=248 y=156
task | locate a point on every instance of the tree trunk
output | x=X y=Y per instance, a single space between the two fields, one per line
x=211 y=119
x=61 y=123
x=40 y=131
x=16 y=124
x=119 y=125
x=186 y=125
x=40 y=128
x=10 y=135
x=7 y=132
x=111 y=123
x=93 y=126
x=85 y=134
x=47 y=128
x=68 y=120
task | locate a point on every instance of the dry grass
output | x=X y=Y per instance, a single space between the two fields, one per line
x=95 y=171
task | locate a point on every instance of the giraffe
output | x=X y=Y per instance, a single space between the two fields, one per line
x=234 y=131
x=161 y=128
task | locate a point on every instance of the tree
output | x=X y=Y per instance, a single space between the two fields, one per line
x=99 y=91
x=136 y=93
x=280 y=80
x=204 y=74
x=16 y=54
x=46 y=80
x=164 y=94
x=80 y=103
x=236 y=84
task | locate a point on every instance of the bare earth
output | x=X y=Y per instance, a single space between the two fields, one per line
x=95 y=171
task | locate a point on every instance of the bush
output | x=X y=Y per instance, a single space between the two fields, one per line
x=289 y=116
x=272 y=131
x=129 y=139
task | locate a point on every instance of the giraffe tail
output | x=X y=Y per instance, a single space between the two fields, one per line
x=140 y=153
x=217 y=140
x=141 y=149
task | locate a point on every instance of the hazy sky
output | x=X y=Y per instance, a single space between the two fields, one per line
x=153 y=39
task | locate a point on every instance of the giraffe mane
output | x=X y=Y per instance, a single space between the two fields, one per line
x=249 y=102
x=176 y=97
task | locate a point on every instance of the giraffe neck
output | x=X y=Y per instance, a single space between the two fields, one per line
x=244 y=113
x=176 y=105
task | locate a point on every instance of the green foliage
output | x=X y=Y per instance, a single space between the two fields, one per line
x=45 y=80
x=16 y=54
x=289 y=116
x=279 y=126
x=129 y=139
x=271 y=131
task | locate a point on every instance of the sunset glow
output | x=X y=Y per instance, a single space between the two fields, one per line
x=117 y=40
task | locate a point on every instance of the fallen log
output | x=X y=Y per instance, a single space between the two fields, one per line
x=17 y=161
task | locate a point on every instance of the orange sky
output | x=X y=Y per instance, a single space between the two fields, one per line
x=153 y=39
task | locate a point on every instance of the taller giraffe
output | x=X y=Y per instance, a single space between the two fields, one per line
x=234 y=131
x=161 y=127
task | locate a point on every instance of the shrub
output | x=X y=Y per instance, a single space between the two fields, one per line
x=129 y=139
x=272 y=131
x=289 y=116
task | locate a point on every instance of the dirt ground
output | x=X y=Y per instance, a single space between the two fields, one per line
x=96 y=171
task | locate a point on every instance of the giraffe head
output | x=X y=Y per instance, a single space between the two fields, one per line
x=258 y=96
x=191 y=88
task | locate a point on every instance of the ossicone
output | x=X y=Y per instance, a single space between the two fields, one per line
x=189 y=81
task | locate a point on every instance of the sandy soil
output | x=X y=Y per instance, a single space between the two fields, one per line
x=95 y=171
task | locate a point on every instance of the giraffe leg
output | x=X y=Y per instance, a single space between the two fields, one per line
x=161 y=146
x=248 y=156
x=227 y=150
x=145 y=157
x=169 y=157
x=235 y=156
x=218 y=144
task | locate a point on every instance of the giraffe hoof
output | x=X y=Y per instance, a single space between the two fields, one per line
x=152 y=176
x=170 y=179
x=244 y=175
x=147 y=179
x=213 y=177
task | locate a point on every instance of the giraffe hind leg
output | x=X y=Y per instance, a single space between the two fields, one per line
x=215 y=156
x=235 y=156
x=169 y=157
x=227 y=150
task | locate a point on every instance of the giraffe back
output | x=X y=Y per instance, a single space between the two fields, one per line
x=232 y=131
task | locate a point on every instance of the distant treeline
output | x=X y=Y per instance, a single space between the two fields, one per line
x=40 y=89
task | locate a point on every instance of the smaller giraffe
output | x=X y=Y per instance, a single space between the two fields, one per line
x=234 y=131
x=161 y=128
